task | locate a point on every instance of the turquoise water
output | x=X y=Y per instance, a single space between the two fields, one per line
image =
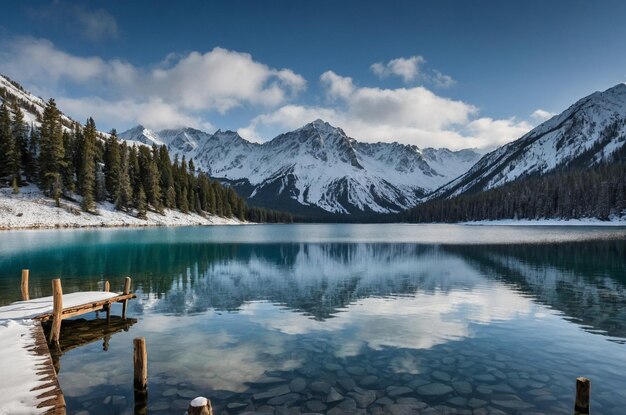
x=344 y=318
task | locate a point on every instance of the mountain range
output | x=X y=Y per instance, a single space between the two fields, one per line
x=590 y=132
x=316 y=169
x=319 y=171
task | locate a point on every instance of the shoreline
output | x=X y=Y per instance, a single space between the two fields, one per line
x=585 y=222
x=30 y=209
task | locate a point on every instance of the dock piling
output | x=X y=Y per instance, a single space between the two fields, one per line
x=25 y=294
x=57 y=311
x=107 y=308
x=140 y=363
x=583 y=389
x=140 y=369
x=200 y=406
x=126 y=291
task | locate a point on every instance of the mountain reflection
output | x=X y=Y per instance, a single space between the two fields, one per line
x=584 y=281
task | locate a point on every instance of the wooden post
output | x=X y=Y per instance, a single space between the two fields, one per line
x=140 y=364
x=57 y=311
x=200 y=406
x=107 y=307
x=583 y=389
x=126 y=291
x=25 y=295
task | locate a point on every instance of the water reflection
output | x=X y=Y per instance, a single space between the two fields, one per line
x=323 y=326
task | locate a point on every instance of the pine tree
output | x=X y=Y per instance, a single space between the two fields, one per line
x=67 y=170
x=51 y=148
x=20 y=136
x=154 y=179
x=31 y=169
x=112 y=165
x=184 y=201
x=142 y=205
x=170 y=197
x=125 y=194
x=87 y=178
x=7 y=144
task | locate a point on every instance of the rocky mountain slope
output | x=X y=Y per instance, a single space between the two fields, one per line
x=316 y=169
x=591 y=131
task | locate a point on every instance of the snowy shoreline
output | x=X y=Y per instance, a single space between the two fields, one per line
x=620 y=222
x=31 y=210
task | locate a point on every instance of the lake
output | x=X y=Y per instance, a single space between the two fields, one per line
x=290 y=319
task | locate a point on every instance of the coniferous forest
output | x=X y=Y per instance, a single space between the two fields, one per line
x=66 y=159
x=599 y=192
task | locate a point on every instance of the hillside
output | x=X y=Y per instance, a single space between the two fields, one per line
x=57 y=172
x=315 y=170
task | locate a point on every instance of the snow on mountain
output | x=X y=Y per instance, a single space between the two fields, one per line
x=31 y=105
x=316 y=168
x=587 y=133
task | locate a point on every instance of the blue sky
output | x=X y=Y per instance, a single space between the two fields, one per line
x=432 y=73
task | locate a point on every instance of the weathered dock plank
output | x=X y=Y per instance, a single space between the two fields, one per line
x=32 y=385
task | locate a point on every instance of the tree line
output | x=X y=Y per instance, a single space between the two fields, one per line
x=598 y=192
x=68 y=159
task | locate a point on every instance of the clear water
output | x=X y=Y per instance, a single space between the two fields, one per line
x=343 y=318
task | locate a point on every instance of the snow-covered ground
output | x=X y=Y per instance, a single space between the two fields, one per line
x=551 y=222
x=20 y=368
x=31 y=209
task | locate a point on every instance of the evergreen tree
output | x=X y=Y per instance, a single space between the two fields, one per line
x=31 y=168
x=51 y=148
x=87 y=178
x=67 y=169
x=7 y=144
x=19 y=131
x=125 y=194
x=142 y=206
x=112 y=165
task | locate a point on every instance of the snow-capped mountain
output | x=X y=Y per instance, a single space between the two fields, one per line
x=31 y=105
x=316 y=169
x=587 y=133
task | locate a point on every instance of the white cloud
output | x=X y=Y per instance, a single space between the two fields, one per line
x=407 y=115
x=179 y=89
x=442 y=80
x=154 y=113
x=406 y=68
x=540 y=115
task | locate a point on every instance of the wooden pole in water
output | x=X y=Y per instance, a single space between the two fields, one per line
x=140 y=364
x=583 y=389
x=107 y=308
x=57 y=311
x=200 y=406
x=126 y=291
x=25 y=295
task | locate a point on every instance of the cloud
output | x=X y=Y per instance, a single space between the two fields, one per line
x=407 y=115
x=154 y=113
x=441 y=80
x=406 y=68
x=95 y=25
x=542 y=115
x=40 y=62
x=410 y=70
x=181 y=88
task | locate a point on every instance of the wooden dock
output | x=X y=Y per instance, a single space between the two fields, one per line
x=29 y=356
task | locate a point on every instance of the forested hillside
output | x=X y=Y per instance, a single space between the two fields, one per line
x=75 y=162
x=599 y=192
